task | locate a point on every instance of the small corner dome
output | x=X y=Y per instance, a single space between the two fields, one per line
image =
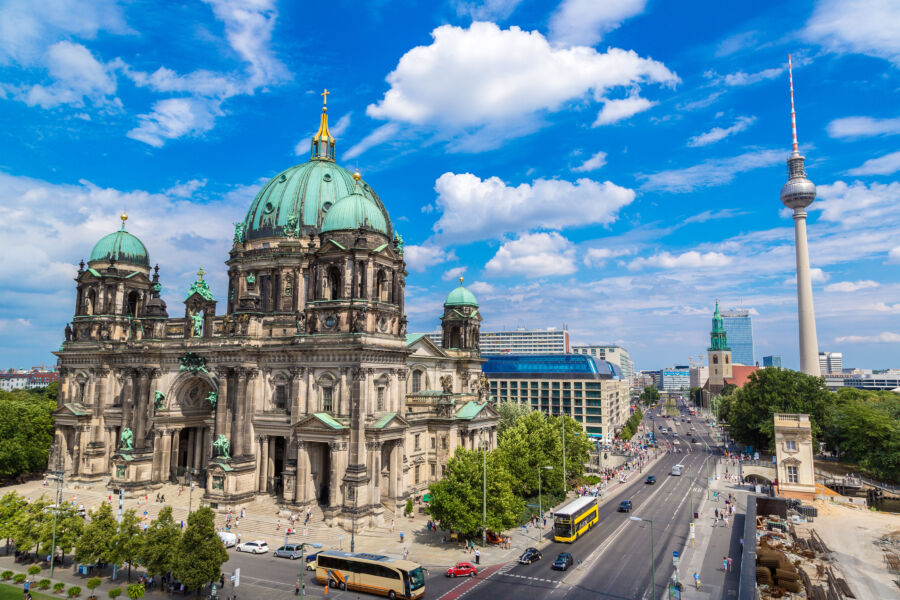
x=121 y=247
x=461 y=297
x=355 y=211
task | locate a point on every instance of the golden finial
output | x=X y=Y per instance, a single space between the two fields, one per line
x=124 y=218
x=324 y=99
x=356 y=175
x=201 y=273
x=460 y=281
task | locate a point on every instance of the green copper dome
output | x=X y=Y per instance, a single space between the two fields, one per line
x=355 y=211
x=303 y=195
x=122 y=247
x=461 y=297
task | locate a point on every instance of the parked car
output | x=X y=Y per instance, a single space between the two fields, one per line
x=563 y=561
x=462 y=569
x=228 y=539
x=529 y=556
x=290 y=551
x=254 y=547
x=693 y=440
x=651 y=479
x=311 y=561
x=492 y=537
x=625 y=506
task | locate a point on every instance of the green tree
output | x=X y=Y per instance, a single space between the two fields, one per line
x=69 y=527
x=649 y=396
x=125 y=546
x=135 y=591
x=200 y=553
x=457 y=500
x=773 y=390
x=92 y=584
x=11 y=506
x=863 y=428
x=94 y=545
x=26 y=431
x=510 y=412
x=160 y=543
x=27 y=528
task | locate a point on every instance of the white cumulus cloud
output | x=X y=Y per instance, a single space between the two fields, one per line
x=856 y=127
x=454 y=273
x=593 y=163
x=858 y=203
x=473 y=208
x=885 y=336
x=76 y=75
x=711 y=172
x=534 y=255
x=597 y=257
x=883 y=165
x=486 y=10
x=624 y=108
x=720 y=133
x=850 y=286
x=485 y=84
x=584 y=22
x=691 y=259
x=419 y=258
x=174 y=118
x=857 y=26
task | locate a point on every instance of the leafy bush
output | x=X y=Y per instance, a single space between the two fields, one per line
x=135 y=591
x=92 y=584
x=34 y=570
x=6 y=575
x=59 y=587
x=44 y=584
x=409 y=506
x=19 y=577
x=74 y=591
x=115 y=592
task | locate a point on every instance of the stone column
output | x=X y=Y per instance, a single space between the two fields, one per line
x=397 y=471
x=198 y=447
x=263 y=463
x=190 y=447
x=141 y=407
x=343 y=399
x=237 y=441
x=302 y=495
x=373 y=452
x=297 y=385
x=176 y=442
x=157 y=455
x=334 y=483
x=270 y=465
x=166 y=452
x=99 y=401
x=222 y=401
x=205 y=448
x=249 y=393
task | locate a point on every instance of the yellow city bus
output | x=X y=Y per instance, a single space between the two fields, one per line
x=575 y=518
x=373 y=573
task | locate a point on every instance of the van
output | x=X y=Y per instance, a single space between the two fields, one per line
x=676 y=469
x=228 y=538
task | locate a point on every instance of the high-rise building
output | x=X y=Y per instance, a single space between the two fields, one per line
x=593 y=392
x=676 y=379
x=525 y=341
x=772 y=361
x=797 y=194
x=614 y=354
x=831 y=362
x=699 y=375
x=739 y=329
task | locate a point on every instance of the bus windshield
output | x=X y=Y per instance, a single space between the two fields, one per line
x=562 y=528
x=416 y=578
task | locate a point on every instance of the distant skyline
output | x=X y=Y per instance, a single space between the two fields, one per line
x=615 y=167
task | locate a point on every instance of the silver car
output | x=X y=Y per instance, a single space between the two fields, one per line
x=291 y=551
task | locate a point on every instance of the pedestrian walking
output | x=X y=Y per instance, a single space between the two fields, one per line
x=243 y=512
x=392 y=526
x=729 y=564
x=697 y=580
x=405 y=554
x=297 y=588
x=726 y=520
x=239 y=538
x=477 y=557
x=725 y=563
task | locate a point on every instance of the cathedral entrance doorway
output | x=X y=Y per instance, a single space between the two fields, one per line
x=320 y=469
x=190 y=452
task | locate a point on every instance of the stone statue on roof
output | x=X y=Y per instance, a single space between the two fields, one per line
x=126 y=440
x=222 y=447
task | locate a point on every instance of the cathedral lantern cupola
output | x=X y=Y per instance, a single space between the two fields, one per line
x=719 y=352
x=461 y=321
x=322 y=142
x=121 y=249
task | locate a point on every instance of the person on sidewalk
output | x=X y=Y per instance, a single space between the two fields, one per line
x=697 y=580
x=297 y=587
x=477 y=557
x=729 y=564
x=725 y=563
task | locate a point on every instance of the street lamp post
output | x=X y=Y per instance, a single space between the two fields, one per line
x=303 y=565
x=191 y=490
x=652 y=557
x=540 y=503
x=484 y=489
x=59 y=478
x=563 y=420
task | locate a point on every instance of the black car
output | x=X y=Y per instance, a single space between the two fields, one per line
x=651 y=479
x=529 y=556
x=693 y=440
x=625 y=506
x=563 y=561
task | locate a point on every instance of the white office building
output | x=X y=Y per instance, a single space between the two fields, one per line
x=831 y=362
x=676 y=379
x=519 y=341
x=614 y=354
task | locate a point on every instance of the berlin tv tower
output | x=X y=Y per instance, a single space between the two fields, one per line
x=798 y=193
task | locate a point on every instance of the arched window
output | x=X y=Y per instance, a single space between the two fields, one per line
x=333 y=276
x=416 y=381
x=726 y=359
x=715 y=359
x=133 y=299
x=455 y=337
x=383 y=290
x=90 y=302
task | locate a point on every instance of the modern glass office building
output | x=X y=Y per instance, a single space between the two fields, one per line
x=739 y=333
x=593 y=392
x=772 y=361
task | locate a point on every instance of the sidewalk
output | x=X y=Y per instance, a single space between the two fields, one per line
x=714 y=541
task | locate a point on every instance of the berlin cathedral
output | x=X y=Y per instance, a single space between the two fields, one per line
x=307 y=386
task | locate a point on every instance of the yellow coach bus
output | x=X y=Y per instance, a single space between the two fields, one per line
x=575 y=518
x=372 y=573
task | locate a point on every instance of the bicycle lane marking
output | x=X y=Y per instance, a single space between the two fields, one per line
x=472 y=582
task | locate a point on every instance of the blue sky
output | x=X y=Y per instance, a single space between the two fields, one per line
x=612 y=166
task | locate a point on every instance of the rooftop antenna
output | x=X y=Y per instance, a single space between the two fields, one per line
x=794 y=147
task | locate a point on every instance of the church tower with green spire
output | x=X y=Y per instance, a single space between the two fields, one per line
x=719 y=354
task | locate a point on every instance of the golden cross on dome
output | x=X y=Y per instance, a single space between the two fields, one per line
x=325 y=97
x=124 y=218
x=460 y=280
x=201 y=273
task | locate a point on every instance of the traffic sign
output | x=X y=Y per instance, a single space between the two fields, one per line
x=675 y=558
x=692 y=531
x=236 y=578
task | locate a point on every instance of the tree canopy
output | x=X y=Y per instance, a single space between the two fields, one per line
x=95 y=543
x=200 y=554
x=864 y=427
x=510 y=412
x=160 y=539
x=649 y=396
x=26 y=432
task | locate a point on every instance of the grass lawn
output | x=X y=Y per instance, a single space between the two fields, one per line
x=14 y=592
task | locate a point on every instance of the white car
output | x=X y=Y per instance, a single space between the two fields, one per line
x=255 y=547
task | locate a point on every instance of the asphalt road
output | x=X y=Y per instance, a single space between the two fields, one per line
x=615 y=556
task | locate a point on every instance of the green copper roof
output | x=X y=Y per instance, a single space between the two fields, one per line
x=355 y=211
x=307 y=191
x=717 y=337
x=122 y=247
x=384 y=420
x=330 y=421
x=411 y=338
x=470 y=410
x=461 y=297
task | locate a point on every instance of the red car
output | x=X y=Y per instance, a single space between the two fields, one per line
x=462 y=569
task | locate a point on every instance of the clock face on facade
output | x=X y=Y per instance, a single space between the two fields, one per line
x=329 y=322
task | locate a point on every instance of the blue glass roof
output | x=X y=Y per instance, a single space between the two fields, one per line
x=565 y=365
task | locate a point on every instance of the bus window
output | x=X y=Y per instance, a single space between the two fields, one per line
x=562 y=528
x=416 y=578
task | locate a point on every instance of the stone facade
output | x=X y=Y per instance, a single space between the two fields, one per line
x=301 y=389
x=794 y=455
